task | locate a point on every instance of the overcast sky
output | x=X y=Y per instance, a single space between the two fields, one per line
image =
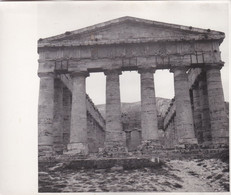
x=24 y=23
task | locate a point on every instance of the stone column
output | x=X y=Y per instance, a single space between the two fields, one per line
x=197 y=113
x=46 y=114
x=66 y=116
x=175 y=131
x=78 y=134
x=114 y=134
x=205 y=116
x=184 y=118
x=128 y=139
x=58 y=117
x=149 y=122
x=218 y=118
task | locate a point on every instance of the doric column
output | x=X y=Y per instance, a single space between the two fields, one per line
x=175 y=135
x=184 y=118
x=218 y=118
x=197 y=113
x=205 y=116
x=78 y=134
x=46 y=114
x=114 y=134
x=149 y=123
x=58 y=117
x=66 y=116
x=128 y=140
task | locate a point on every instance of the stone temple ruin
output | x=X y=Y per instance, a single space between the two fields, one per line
x=70 y=123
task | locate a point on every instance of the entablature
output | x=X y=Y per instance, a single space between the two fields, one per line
x=64 y=66
x=131 y=56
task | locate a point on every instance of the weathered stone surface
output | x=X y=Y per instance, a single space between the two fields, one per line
x=115 y=150
x=149 y=123
x=78 y=133
x=133 y=139
x=197 y=113
x=216 y=107
x=132 y=40
x=92 y=109
x=66 y=116
x=95 y=132
x=95 y=121
x=170 y=133
x=78 y=148
x=149 y=147
x=205 y=115
x=46 y=115
x=114 y=132
x=201 y=111
x=184 y=118
x=58 y=117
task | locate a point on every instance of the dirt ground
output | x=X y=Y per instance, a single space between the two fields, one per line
x=210 y=175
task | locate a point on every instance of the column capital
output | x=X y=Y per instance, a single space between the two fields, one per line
x=46 y=74
x=213 y=66
x=112 y=71
x=46 y=67
x=173 y=69
x=144 y=70
x=79 y=73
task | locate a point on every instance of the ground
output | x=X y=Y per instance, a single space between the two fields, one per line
x=198 y=175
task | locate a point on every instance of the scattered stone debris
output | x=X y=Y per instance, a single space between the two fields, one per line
x=58 y=166
x=117 y=168
x=172 y=176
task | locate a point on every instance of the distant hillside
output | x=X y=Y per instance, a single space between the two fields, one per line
x=131 y=112
x=162 y=106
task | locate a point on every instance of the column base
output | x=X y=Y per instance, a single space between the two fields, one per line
x=113 y=150
x=114 y=143
x=115 y=138
x=44 y=150
x=220 y=141
x=186 y=141
x=149 y=146
x=206 y=144
x=58 y=148
x=77 y=148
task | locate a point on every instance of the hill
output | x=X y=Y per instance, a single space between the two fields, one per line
x=131 y=112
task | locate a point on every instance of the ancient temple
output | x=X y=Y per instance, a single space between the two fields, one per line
x=69 y=122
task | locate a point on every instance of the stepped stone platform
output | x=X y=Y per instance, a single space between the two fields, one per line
x=133 y=160
x=103 y=163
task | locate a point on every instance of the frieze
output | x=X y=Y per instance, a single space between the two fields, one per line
x=193 y=60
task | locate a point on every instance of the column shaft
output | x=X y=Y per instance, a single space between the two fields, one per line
x=184 y=118
x=219 y=122
x=175 y=131
x=58 y=117
x=205 y=116
x=66 y=116
x=149 y=122
x=197 y=114
x=78 y=133
x=114 y=134
x=46 y=115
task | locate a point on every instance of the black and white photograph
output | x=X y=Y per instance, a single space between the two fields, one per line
x=114 y=96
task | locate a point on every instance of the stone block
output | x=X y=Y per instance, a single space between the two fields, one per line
x=77 y=148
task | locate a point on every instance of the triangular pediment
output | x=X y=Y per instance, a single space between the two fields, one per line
x=131 y=30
